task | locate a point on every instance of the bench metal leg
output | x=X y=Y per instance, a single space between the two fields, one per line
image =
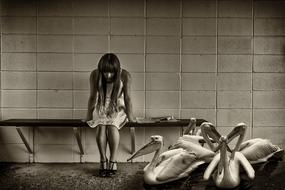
x=78 y=138
x=24 y=140
x=133 y=139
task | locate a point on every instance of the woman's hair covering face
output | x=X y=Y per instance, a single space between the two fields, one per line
x=108 y=63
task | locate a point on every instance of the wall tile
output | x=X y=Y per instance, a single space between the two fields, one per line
x=198 y=99
x=234 y=99
x=9 y=135
x=202 y=8
x=235 y=63
x=162 y=112
x=161 y=100
x=86 y=62
x=137 y=81
x=18 y=80
x=54 y=153
x=235 y=26
x=127 y=8
x=198 y=63
x=81 y=80
x=158 y=8
x=55 y=25
x=235 y=45
x=138 y=99
x=268 y=99
x=162 y=63
x=19 y=8
x=55 y=114
x=268 y=117
x=235 y=8
x=55 y=80
x=54 y=43
x=54 y=99
x=18 y=61
x=234 y=81
x=275 y=134
x=162 y=81
x=198 y=81
x=18 y=43
x=160 y=26
x=268 y=26
x=269 y=9
x=14 y=153
x=19 y=25
x=231 y=117
x=268 y=81
x=127 y=44
x=90 y=44
x=207 y=114
x=199 y=45
x=91 y=25
x=163 y=45
x=90 y=8
x=54 y=62
x=18 y=98
x=55 y=8
x=79 y=113
x=54 y=135
x=81 y=99
x=20 y=113
x=268 y=63
x=127 y=26
x=269 y=45
x=199 y=26
x=132 y=62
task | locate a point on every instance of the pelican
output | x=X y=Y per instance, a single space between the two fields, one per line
x=227 y=173
x=178 y=165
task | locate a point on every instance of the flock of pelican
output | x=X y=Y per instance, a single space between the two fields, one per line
x=189 y=152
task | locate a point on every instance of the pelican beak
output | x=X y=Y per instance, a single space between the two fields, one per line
x=152 y=146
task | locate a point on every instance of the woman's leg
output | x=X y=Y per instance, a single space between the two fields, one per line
x=113 y=141
x=101 y=139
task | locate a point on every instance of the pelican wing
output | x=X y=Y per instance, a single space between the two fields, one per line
x=177 y=164
x=211 y=167
x=258 y=150
x=193 y=147
x=165 y=155
x=246 y=165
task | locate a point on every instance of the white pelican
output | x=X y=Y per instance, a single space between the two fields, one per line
x=176 y=166
x=227 y=173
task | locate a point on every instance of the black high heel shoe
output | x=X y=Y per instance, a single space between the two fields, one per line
x=113 y=168
x=103 y=171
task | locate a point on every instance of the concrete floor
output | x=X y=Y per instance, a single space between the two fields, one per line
x=130 y=176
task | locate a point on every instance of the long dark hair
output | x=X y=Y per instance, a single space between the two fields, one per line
x=108 y=63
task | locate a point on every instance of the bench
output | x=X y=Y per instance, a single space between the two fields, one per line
x=78 y=124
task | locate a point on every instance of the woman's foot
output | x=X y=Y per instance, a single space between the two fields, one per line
x=112 y=168
x=103 y=171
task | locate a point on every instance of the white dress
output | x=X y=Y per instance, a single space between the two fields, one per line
x=117 y=119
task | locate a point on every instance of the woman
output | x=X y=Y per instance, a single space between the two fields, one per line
x=109 y=108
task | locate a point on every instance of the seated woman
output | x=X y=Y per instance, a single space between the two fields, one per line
x=109 y=108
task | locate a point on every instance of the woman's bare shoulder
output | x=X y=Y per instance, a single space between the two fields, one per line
x=125 y=75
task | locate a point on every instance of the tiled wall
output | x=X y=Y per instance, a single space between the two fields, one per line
x=221 y=60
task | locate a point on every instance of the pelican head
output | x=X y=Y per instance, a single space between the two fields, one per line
x=155 y=144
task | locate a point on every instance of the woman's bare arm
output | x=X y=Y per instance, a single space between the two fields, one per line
x=127 y=94
x=93 y=95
